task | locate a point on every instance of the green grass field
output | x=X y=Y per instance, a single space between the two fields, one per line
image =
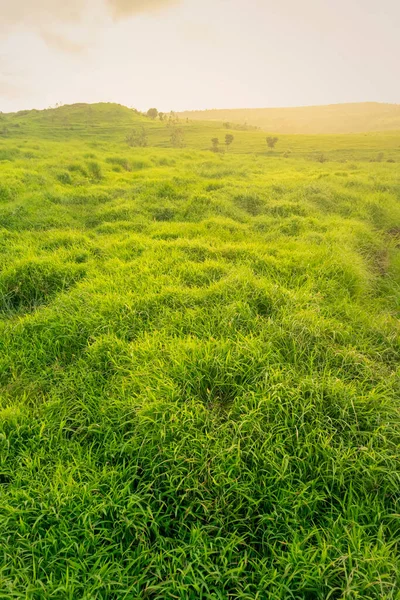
x=199 y=362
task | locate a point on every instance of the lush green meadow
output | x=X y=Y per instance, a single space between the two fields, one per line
x=199 y=362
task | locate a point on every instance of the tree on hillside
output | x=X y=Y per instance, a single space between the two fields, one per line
x=161 y=116
x=177 y=138
x=228 y=139
x=137 y=138
x=215 y=144
x=271 y=142
x=227 y=125
x=152 y=113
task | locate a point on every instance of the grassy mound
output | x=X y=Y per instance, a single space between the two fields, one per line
x=199 y=372
x=30 y=283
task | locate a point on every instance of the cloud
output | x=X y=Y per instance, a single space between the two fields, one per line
x=45 y=13
x=61 y=43
x=38 y=12
x=123 y=8
x=47 y=18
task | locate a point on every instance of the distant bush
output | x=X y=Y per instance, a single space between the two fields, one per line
x=177 y=137
x=137 y=138
x=271 y=142
x=321 y=158
x=241 y=126
x=229 y=139
x=152 y=113
x=215 y=145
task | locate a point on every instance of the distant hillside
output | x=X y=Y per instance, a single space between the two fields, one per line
x=74 y=120
x=335 y=118
x=81 y=119
x=104 y=124
x=102 y=112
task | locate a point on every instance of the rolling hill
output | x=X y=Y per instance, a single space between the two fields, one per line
x=335 y=118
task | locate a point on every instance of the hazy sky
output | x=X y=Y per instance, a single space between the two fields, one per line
x=188 y=54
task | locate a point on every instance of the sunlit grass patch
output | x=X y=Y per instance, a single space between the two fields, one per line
x=30 y=283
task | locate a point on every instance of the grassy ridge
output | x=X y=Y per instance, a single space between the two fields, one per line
x=334 y=119
x=199 y=369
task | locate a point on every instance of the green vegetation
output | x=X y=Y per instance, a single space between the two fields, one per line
x=229 y=139
x=152 y=113
x=336 y=118
x=137 y=138
x=272 y=141
x=215 y=145
x=177 y=137
x=199 y=366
